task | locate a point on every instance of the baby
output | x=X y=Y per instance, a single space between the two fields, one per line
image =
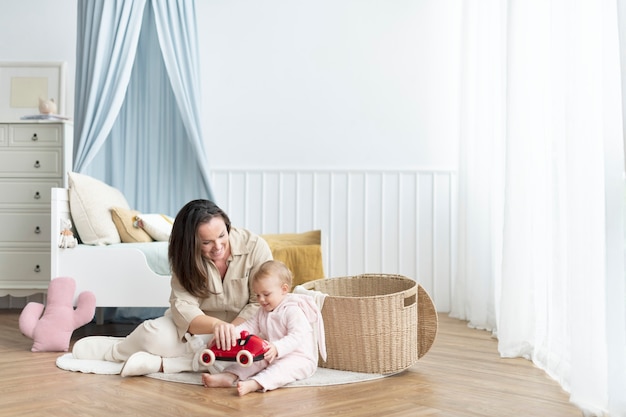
x=293 y=326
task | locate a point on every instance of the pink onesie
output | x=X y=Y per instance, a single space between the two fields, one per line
x=296 y=328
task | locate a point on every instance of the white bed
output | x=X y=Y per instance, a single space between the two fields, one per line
x=119 y=275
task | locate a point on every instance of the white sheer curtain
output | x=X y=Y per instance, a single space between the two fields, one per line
x=541 y=191
x=480 y=163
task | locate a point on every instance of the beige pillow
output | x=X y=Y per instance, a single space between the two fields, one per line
x=158 y=226
x=124 y=220
x=90 y=204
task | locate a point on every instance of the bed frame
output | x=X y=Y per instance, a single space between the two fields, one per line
x=119 y=277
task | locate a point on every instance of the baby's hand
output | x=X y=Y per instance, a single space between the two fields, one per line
x=271 y=354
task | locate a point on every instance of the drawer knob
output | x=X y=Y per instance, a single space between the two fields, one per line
x=34 y=138
x=37 y=268
x=37 y=164
x=37 y=230
x=37 y=196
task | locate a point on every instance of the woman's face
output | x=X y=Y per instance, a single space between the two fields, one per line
x=213 y=238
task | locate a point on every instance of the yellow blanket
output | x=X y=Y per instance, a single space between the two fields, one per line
x=301 y=252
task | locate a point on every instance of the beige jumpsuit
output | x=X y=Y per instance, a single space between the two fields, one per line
x=230 y=298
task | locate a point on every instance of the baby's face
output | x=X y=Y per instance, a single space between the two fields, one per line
x=269 y=292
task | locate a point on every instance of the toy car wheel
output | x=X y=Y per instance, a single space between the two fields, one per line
x=245 y=358
x=207 y=357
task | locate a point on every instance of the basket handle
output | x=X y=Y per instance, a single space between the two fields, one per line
x=410 y=300
x=410 y=297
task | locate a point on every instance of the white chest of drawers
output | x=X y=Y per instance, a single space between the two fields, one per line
x=34 y=157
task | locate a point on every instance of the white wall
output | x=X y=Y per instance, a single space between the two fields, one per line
x=349 y=83
x=41 y=31
x=296 y=84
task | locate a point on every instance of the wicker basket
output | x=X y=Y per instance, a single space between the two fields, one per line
x=371 y=323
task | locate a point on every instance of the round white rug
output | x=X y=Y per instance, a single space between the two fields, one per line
x=322 y=376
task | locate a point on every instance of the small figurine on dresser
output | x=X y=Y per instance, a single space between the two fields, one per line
x=47 y=106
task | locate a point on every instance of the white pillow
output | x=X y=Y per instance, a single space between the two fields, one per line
x=158 y=226
x=90 y=203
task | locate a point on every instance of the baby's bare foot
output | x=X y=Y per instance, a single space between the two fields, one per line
x=244 y=387
x=224 y=380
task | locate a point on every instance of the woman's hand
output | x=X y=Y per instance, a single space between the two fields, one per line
x=224 y=335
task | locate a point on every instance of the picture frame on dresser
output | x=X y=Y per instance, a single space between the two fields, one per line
x=22 y=84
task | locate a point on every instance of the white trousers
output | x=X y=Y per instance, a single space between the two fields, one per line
x=158 y=337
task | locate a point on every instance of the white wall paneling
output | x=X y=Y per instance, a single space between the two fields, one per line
x=381 y=221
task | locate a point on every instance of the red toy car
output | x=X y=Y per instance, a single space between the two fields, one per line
x=249 y=349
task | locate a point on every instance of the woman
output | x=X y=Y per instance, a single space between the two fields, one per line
x=211 y=264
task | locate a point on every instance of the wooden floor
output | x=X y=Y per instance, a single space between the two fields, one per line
x=462 y=375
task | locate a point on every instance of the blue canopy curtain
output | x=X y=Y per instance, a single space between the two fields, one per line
x=137 y=118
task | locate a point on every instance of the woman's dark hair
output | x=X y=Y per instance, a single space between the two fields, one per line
x=185 y=250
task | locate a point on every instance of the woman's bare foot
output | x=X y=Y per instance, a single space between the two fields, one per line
x=223 y=380
x=244 y=387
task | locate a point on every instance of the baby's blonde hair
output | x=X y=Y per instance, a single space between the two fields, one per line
x=276 y=269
